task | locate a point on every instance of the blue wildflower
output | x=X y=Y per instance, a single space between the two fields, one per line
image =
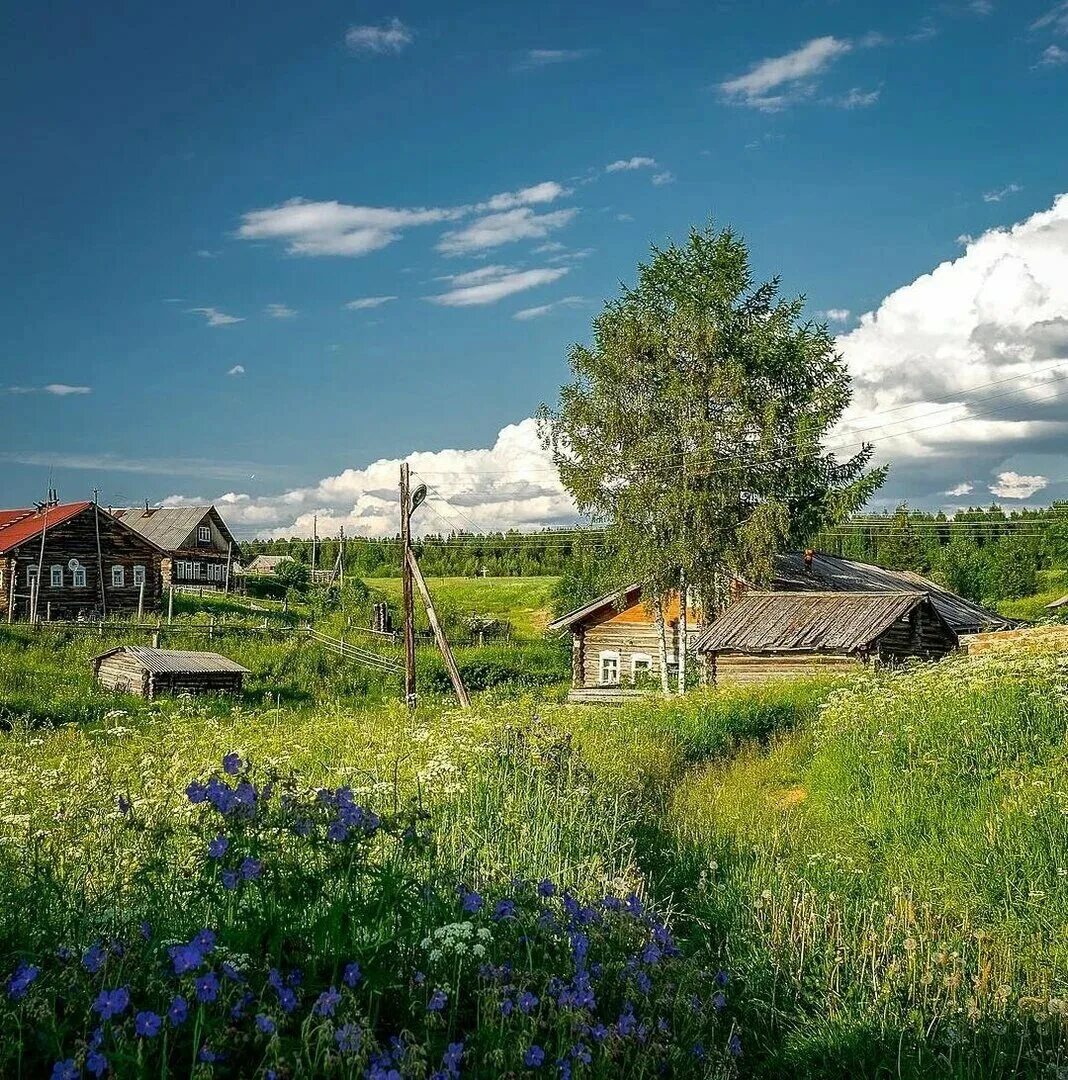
x=186 y=958
x=231 y=764
x=352 y=974
x=598 y=1033
x=96 y=1063
x=111 y=1003
x=471 y=902
x=507 y=1005
x=65 y=1070
x=505 y=909
x=546 y=888
x=327 y=1002
x=20 y=981
x=251 y=869
x=438 y=1000
x=534 y=1058
x=205 y=940
x=207 y=986
x=626 y=1022
x=209 y=1056
x=146 y=930
x=264 y=1024
x=196 y=793
x=147 y=1024
x=94 y=958
x=734 y=1045
x=348 y=1038
x=229 y=879
x=96 y=1040
x=237 y=1011
x=217 y=848
x=337 y=832
x=450 y=1061
x=721 y=978
x=178 y=1011
x=231 y=972
x=581 y=1052
x=719 y=1001
x=287 y=999
x=527 y=1002
x=644 y=983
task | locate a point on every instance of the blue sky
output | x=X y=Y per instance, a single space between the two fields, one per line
x=173 y=323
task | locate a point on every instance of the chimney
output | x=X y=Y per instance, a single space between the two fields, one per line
x=809 y=556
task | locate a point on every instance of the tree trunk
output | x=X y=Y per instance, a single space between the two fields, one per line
x=661 y=633
x=682 y=631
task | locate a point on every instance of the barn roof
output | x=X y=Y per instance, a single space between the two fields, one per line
x=807 y=621
x=579 y=614
x=268 y=562
x=168 y=527
x=175 y=662
x=831 y=573
x=18 y=526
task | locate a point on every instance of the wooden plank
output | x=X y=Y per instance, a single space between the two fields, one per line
x=443 y=645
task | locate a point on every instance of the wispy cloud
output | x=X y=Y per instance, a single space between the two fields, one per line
x=204 y=253
x=630 y=164
x=662 y=178
x=545 y=192
x=775 y=82
x=488 y=284
x=492 y=230
x=237 y=370
x=1011 y=485
x=837 y=314
x=1053 y=56
x=856 y=98
x=280 y=311
x=391 y=36
x=365 y=303
x=525 y=314
x=1055 y=20
x=171 y=466
x=1001 y=193
x=55 y=389
x=963 y=488
x=539 y=58
x=214 y=317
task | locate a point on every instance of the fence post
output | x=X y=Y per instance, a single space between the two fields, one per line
x=211 y=627
x=170 y=605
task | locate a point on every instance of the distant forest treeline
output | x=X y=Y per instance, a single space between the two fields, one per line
x=985 y=554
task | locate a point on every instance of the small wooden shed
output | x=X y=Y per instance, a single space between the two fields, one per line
x=134 y=669
x=779 y=635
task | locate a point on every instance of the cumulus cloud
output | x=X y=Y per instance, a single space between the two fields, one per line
x=488 y=284
x=1001 y=193
x=214 y=317
x=1053 y=56
x=630 y=164
x=280 y=311
x=665 y=177
x=236 y=370
x=963 y=488
x=510 y=484
x=837 y=314
x=391 y=36
x=365 y=303
x=1011 y=485
x=775 y=82
x=546 y=191
x=492 y=230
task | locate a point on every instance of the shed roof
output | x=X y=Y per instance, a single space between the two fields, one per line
x=268 y=562
x=168 y=527
x=18 y=526
x=807 y=621
x=1059 y=603
x=172 y=661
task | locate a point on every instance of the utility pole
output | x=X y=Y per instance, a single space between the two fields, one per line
x=99 y=555
x=406 y=578
x=315 y=541
x=341 y=557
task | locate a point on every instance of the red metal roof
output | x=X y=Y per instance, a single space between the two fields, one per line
x=18 y=526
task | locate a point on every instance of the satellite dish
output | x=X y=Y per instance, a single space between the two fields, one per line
x=73 y=564
x=418 y=496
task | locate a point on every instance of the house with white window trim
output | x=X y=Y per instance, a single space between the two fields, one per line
x=198 y=548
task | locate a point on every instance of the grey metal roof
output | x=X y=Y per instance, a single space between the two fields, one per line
x=267 y=562
x=168 y=527
x=833 y=574
x=837 y=622
x=172 y=661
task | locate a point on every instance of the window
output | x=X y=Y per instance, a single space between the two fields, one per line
x=215 y=572
x=204 y=534
x=609 y=668
x=31 y=576
x=641 y=666
x=139 y=575
x=118 y=576
x=78 y=574
x=57 y=577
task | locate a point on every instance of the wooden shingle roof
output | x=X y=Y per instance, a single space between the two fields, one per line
x=173 y=661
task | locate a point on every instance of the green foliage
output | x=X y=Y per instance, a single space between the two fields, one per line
x=291 y=574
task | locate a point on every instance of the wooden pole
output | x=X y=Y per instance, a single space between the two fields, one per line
x=170 y=604
x=141 y=601
x=315 y=542
x=13 y=569
x=99 y=556
x=406 y=577
x=341 y=558
x=229 y=560
x=439 y=634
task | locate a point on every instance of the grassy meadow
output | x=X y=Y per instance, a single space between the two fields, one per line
x=864 y=878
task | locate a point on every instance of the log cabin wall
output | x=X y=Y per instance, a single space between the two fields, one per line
x=736 y=668
x=920 y=634
x=630 y=634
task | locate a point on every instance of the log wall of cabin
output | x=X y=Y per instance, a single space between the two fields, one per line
x=921 y=634
x=627 y=637
x=734 y=668
x=76 y=539
x=195 y=682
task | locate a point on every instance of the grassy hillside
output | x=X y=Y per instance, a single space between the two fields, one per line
x=1052 y=585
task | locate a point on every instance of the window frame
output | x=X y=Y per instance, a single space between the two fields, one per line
x=118 y=577
x=612 y=656
x=52 y=583
x=203 y=534
x=31 y=574
x=138 y=576
x=75 y=574
x=644 y=658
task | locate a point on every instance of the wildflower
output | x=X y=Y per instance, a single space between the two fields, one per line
x=94 y=958
x=96 y=1063
x=242 y=1003
x=178 y=1011
x=146 y=931
x=217 y=848
x=20 y=981
x=251 y=869
x=351 y=975
x=644 y=983
x=719 y=1001
x=507 y=1005
x=470 y=901
x=264 y=1024
x=111 y=1003
x=721 y=978
x=438 y=1000
x=209 y=1056
x=734 y=1044
x=147 y=1024
x=327 y=1002
x=505 y=909
x=337 y=832
x=598 y=1033
x=534 y=1058
x=205 y=940
x=65 y=1070
x=229 y=879
x=581 y=1052
x=196 y=793
x=186 y=958
x=348 y=1038
x=207 y=987
x=546 y=888
x=230 y=972
x=626 y=1022
x=450 y=1060
x=287 y=999
x=231 y=764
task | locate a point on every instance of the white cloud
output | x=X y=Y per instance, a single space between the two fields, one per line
x=1055 y=20
x=1053 y=56
x=773 y=83
x=630 y=164
x=665 y=177
x=236 y=370
x=55 y=389
x=857 y=98
x=525 y=314
x=204 y=253
x=489 y=284
x=492 y=230
x=963 y=488
x=539 y=58
x=836 y=314
x=1011 y=485
x=511 y=484
x=366 y=302
x=214 y=317
x=388 y=37
x=546 y=191
x=1001 y=193
x=280 y=311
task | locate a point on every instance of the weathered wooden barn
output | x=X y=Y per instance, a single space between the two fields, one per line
x=769 y=635
x=134 y=669
x=74 y=560
x=198 y=549
x=615 y=643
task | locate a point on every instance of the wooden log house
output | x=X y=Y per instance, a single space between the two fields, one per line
x=134 y=669
x=198 y=548
x=74 y=560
